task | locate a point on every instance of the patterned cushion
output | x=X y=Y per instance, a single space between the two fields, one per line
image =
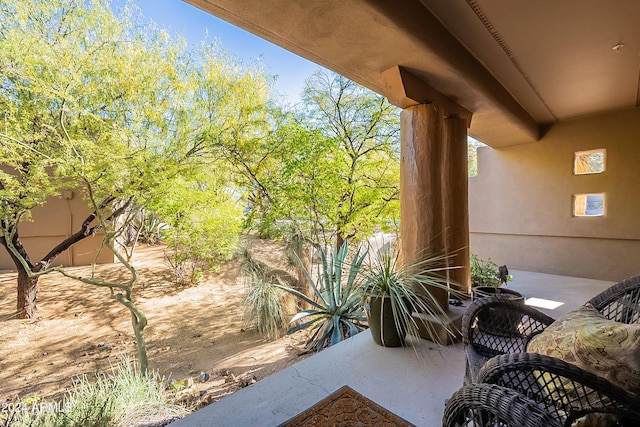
x=587 y=339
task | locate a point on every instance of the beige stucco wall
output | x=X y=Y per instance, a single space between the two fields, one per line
x=57 y=219
x=520 y=203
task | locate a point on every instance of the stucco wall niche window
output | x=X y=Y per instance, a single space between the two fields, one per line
x=588 y=162
x=589 y=204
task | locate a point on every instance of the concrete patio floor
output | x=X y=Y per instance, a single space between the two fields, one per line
x=412 y=382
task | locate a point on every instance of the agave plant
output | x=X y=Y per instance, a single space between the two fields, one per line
x=336 y=312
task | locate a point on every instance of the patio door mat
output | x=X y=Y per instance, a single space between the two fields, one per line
x=346 y=408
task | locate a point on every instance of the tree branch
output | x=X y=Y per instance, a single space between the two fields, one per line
x=85 y=231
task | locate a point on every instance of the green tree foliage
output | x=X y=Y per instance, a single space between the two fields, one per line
x=116 y=109
x=84 y=97
x=327 y=173
x=204 y=222
x=361 y=131
x=287 y=178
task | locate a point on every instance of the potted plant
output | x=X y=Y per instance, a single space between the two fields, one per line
x=488 y=279
x=392 y=292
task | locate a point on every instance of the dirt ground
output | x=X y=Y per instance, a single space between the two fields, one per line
x=80 y=330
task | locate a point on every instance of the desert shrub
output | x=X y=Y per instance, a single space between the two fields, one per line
x=106 y=401
x=203 y=227
x=194 y=251
x=264 y=301
x=188 y=268
x=253 y=268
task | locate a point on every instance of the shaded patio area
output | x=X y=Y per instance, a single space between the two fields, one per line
x=412 y=382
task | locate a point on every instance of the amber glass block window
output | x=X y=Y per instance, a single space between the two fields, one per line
x=588 y=204
x=586 y=162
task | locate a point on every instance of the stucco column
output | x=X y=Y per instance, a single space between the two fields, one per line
x=455 y=187
x=433 y=191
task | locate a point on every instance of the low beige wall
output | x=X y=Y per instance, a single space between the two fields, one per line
x=520 y=203
x=604 y=259
x=51 y=224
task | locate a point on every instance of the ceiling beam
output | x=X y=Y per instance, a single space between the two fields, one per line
x=360 y=39
x=404 y=89
x=458 y=73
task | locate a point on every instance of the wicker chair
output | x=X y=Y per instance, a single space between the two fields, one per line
x=620 y=302
x=565 y=391
x=492 y=326
x=496 y=355
x=495 y=406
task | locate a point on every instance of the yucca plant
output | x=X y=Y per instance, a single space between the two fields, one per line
x=336 y=312
x=392 y=292
x=253 y=268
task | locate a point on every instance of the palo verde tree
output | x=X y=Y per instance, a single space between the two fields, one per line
x=361 y=129
x=99 y=103
x=229 y=103
x=337 y=173
x=82 y=95
x=78 y=91
x=327 y=173
x=330 y=172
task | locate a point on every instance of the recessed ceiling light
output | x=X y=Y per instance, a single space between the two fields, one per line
x=618 y=47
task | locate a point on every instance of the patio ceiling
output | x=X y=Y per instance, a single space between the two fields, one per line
x=518 y=66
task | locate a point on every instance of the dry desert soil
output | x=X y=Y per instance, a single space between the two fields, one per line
x=79 y=330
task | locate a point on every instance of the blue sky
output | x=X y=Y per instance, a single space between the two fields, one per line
x=182 y=18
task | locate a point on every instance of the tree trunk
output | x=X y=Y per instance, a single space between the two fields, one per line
x=27 y=290
x=140 y=343
x=339 y=241
x=28 y=286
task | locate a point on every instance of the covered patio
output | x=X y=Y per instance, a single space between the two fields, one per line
x=411 y=382
x=541 y=83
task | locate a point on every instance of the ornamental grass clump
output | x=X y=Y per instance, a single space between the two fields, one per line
x=264 y=306
x=264 y=301
x=124 y=397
